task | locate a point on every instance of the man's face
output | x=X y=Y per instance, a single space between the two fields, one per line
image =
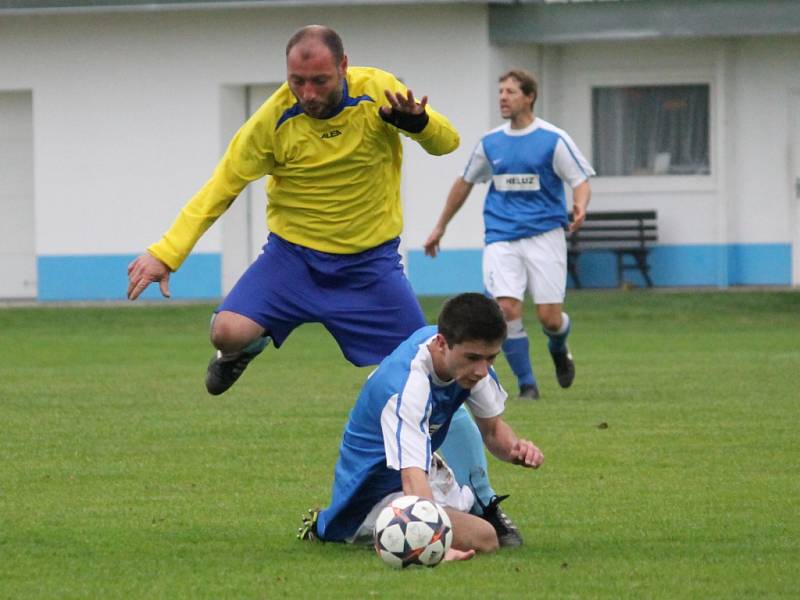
x=512 y=101
x=469 y=361
x=314 y=78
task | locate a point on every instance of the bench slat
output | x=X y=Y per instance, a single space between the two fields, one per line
x=620 y=215
x=610 y=238
x=622 y=232
x=593 y=227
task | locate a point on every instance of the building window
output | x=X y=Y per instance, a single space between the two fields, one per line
x=651 y=130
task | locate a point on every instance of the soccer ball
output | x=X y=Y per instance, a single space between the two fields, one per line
x=412 y=531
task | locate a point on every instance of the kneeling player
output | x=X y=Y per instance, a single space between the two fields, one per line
x=402 y=416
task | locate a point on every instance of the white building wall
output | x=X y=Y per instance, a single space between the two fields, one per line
x=767 y=74
x=646 y=63
x=131 y=113
x=127 y=106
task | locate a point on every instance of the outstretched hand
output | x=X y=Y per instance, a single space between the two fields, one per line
x=526 y=454
x=581 y=194
x=578 y=217
x=143 y=271
x=404 y=103
x=431 y=245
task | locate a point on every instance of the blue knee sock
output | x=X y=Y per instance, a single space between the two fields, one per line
x=463 y=451
x=557 y=340
x=516 y=348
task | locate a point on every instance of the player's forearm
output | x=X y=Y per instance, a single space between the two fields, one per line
x=191 y=223
x=455 y=200
x=197 y=215
x=439 y=136
x=415 y=482
x=581 y=195
x=498 y=437
x=246 y=159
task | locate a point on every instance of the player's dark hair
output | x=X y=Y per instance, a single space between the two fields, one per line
x=326 y=35
x=470 y=318
x=527 y=82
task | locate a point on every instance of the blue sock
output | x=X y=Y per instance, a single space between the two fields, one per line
x=516 y=348
x=463 y=451
x=557 y=340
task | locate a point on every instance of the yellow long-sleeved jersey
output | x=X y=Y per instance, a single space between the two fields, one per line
x=334 y=183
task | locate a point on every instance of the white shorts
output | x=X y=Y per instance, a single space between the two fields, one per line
x=538 y=263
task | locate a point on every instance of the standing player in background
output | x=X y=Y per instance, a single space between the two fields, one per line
x=329 y=138
x=528 y=160
x=401 y=417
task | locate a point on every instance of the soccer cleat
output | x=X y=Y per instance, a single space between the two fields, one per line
x=308 y=530
x=529 y=392
x=507 y=533
x=565 y=367
x=222 y=373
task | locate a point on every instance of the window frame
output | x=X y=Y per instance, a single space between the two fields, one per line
x=663 y=182
x=639 y=126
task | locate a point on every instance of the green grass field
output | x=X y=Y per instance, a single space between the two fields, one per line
x=672 y=466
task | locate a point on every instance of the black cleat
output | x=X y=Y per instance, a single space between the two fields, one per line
x=529 y=392
x=565 y=367
x=308 y=530
x=223 y=373
x=507 y=533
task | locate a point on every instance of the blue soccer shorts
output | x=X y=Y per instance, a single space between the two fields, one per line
x=364 y=300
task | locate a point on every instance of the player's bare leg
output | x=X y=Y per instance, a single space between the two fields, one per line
x=550 y=316
x=232 y=332
x=238 y=340
x=471 y=532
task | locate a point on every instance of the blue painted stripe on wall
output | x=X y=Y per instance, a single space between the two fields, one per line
x=452 y=271
x=760 y=264
x=105 y=277
x=455 y=271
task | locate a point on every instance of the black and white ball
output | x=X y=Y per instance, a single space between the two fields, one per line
x=412 y=531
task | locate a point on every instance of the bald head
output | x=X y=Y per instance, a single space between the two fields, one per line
x=309 y=36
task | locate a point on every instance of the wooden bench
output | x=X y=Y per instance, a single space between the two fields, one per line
x=625 y=233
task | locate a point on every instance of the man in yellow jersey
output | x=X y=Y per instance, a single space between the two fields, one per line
x=330 y=140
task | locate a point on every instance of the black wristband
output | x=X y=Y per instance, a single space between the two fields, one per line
x=406 y=121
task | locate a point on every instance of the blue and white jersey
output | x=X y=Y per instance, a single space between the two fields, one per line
x=527 y=169
x=400 y=418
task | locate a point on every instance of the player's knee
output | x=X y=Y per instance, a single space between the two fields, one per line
x=483 y=537
x=219 y=332
x=231 y=332
x=486 y=540
x=550 y=319
x=551 y=323
x=511 y=308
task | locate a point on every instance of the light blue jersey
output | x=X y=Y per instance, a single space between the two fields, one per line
x=400 y=418
x=527 y=169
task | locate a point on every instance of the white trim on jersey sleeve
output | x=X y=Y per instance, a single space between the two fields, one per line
x=487 y=399
x=569 y=163
x=404 y=419
x=478 y=168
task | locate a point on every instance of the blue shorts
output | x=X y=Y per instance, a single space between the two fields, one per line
x=364 y=300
